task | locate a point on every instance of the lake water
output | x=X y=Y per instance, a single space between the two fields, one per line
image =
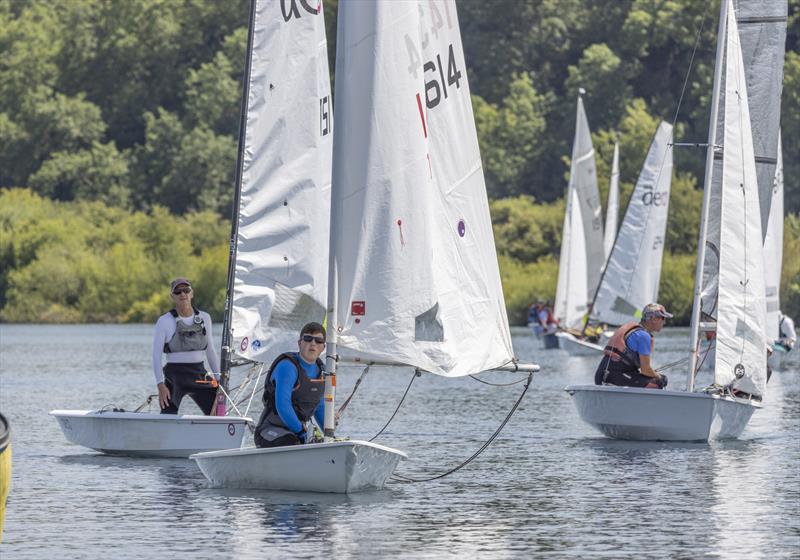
x=548 y=486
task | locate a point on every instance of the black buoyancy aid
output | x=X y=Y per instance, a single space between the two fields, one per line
x=619 y=352
x=187 y=338
x=306 y=393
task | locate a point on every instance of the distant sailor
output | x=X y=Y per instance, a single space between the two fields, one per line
x=184 y=335
x=628 y=353
x=293 y=392
x=534 y=323
x=787 y=334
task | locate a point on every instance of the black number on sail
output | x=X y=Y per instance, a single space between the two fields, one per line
x=453 y=73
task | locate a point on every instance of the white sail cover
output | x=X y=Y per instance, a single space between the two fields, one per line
x=632 y=273
x=282 y=245
x=762 y=32
x=612 y=207
x=741 y=322
x=416 y=272
x=570 y=305
x=773 y=251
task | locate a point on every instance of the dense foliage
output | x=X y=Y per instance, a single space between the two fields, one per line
x=119 y=123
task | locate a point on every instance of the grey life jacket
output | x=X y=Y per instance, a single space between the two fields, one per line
x=187 y=338
x=306 y=395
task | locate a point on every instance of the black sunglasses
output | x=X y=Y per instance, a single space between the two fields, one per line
x=317 y=339
x=182 y=291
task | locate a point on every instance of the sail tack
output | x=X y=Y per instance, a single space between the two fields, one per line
x=632 y=273
x=282 y=245
x=741 y=323
x=416 y=272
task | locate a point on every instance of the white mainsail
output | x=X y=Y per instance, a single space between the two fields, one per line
x=582 y=257
x=773 y=251
x=281 y=253
x=612 y=207
x=416 y=276
x=632 y=274
x=741 y=321
x=762 y=34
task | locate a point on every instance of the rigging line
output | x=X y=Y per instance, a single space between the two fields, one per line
x=403 y=478
x=672 y=364
x=413 y=376
x=691 y=62
x=497 y=384
x=352 y=393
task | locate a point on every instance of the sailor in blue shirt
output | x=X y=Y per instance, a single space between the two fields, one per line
x=293 y=392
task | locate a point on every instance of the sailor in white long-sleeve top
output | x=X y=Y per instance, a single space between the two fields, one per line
x=184 y=335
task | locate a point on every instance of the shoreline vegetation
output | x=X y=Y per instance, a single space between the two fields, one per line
x=119 y=121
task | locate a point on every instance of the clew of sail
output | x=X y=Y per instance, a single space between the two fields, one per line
x=612 y=208
x=416 y=276
x=773 y=251
x=632 y=273
x=281 y=253
x=741 y=344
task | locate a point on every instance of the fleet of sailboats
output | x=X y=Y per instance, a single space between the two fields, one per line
x=380 y=226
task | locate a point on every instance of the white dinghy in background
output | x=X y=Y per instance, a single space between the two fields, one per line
x=577 y=346
x=729 y=286
x=581 y=259
x=412 y=276
x=142 y=434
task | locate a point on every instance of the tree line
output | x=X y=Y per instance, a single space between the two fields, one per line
x=119 y=123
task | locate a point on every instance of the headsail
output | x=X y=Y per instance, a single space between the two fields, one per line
x=612 y=207
x=283 y=226
x=773 y=251
x=632 y=274
x=741 y=345
x=416 y=272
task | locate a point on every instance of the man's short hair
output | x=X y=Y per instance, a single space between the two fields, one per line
x=313 y=328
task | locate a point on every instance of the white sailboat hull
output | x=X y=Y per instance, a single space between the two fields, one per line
x=150 y=435
x=338 y=467
x=631 y=413
x=578 y=347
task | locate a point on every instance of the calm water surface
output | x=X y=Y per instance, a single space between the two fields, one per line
x=548 y=486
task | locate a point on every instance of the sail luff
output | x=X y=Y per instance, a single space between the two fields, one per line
x=612 y=207
x=694 y=349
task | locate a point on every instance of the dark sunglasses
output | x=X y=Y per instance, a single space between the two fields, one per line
x=310 y=338
x=182 y=291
